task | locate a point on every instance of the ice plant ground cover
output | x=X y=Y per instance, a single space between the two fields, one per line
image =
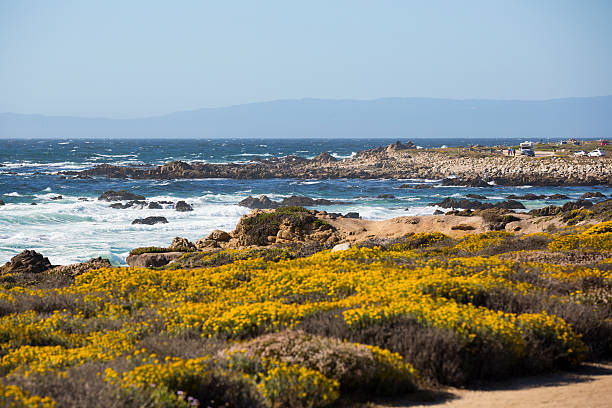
x=371 y=321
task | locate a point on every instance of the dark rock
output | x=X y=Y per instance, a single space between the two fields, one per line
x=385 y=196
x=470 y=182
x=438 y=212
x=476 y=196
x=27 y=261
x=393 y=147
x=593 y=194
x=546 y=211
x=150 y=220
x=526 y=197
x=59 y=197
x=558 y=197
x=576 y=205
x=154 y=206
x=33 y=203
x=302 y=201
x=121 y=195
x=182 y=206
x=129 y=204
x=148 y=260
x=1 y=202
x=416 y=186
x=83 y=199
x=477 y=205
x=261 y=203
x=351 y=215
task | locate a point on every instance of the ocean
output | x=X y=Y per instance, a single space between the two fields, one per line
x=70 y=230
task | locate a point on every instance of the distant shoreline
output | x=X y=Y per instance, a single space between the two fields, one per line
x=476 y=166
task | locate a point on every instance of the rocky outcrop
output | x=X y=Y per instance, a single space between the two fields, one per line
x=150 y=220
x=593 y=194
x=264 y=203
x=81 y=268
x=129 y=204
x=398 y=161
x=284 y=225
x=558 y=197
x=219 y=235
x=148 y=260
x=1 y=203
x=526 y=197
x=121 y=195
x=385 y=196
x=27 y=261
x=477 y=205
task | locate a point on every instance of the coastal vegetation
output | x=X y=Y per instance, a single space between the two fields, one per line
x=271 y=327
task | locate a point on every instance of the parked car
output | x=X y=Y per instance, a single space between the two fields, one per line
x=597 y=153
x=527 y=152
x=580 y=153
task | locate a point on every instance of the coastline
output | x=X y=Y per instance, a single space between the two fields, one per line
x=466 y=166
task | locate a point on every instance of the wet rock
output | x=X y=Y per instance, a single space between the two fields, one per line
x=438 y=212
x=385 y=196
x=153 y=205
x=129 y=204
x=121 y=195
x=468 y=181
x=27 y=261
x=351 y=215
x=476 y=205
x=509 y=205
x=219 y=235
x=33 y=203
x=526 y=197
x=593 y=194
x=1 y=202
x=181 y=244
x=83 y=199
x=261 y=203
x=182 y=206
x=476 y=196
x=150 y=220
x=558 y=197
x=302 y=201
x=59 y=197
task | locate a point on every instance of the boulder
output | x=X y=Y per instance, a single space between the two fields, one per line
x=181 y=244
x=1 y=202
x=150 y=220
x=476 y=196
x=148 y=260
x=576 y=205
x=218 y=235
x=129 y=204
x=154 y=205
x=204 y=243
x=351 y=215
x=558 y=197
x=385 y=196
x=468 y=181
x=59 y=197
x=121 y=195
x=27 y=261
x=546 y=211
x=182 y=206
x=302 y=201
x=593 y=194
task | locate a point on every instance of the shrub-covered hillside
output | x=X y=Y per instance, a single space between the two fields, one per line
x=377 y=320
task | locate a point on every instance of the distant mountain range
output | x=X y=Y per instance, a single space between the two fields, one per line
x=307 y=118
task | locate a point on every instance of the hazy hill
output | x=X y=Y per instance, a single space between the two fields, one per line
x=388 y=117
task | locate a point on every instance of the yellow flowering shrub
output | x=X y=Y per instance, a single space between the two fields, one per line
x=12 y=396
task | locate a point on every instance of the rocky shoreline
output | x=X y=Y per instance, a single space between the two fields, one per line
x=401 y=161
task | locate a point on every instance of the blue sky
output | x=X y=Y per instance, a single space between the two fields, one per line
x=144 y=58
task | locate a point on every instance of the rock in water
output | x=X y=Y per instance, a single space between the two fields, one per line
x=154 y=205
x=1 y=202
x=27 y=261
x=182 y=206
x=593 y=194
x=261 y=203
x=120 y=195
x=150 y=220
x=385 y=196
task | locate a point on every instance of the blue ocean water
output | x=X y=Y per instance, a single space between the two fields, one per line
x=71 y=230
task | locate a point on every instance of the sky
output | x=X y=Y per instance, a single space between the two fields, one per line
x=144 y=58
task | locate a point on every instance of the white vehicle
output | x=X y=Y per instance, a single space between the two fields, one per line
x=597 y=153
x=527 y=149
x=580 y=153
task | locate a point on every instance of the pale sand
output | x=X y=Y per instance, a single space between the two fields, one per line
x=588 y=387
